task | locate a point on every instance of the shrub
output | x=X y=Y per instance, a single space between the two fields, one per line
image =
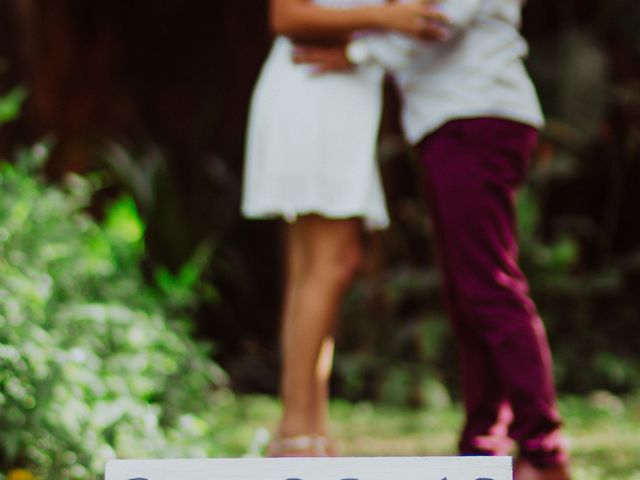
x=11 y=103
x=94 y=362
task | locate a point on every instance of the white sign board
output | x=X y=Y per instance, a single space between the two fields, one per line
x=333 y=468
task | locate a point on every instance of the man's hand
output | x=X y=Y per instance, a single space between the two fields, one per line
x=323 y=59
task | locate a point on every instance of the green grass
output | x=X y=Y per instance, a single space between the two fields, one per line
x=603 y=430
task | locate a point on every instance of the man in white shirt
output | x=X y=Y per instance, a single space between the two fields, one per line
x=470 y=108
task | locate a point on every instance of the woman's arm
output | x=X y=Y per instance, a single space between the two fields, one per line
x=302 y=20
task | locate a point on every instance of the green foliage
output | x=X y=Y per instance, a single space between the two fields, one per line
x=94 y=363
x=394 y=342
x=11 y=103
x=579 y=212
x=590 y=315
x=603 y=430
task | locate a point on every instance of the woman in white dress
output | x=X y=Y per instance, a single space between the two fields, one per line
x=311 y=160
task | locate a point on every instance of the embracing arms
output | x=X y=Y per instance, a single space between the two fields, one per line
x=389 y=49
x=304 y=21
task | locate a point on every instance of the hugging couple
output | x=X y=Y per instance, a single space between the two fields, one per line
x=471 y=111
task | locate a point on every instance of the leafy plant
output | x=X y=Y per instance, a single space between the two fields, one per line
x=94 y=363
x=11 y=103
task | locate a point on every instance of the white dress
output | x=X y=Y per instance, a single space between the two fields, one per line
x=311 y=140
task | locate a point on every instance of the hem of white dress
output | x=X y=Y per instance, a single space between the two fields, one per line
x=371 y=222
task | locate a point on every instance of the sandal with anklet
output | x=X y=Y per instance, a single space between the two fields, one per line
x=301 y=446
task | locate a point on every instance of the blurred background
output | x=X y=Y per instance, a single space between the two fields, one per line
x=139 y=311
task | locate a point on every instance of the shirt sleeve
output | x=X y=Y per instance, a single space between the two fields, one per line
x=461 y=13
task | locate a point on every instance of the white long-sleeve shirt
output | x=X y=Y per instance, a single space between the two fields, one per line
x=477 y=72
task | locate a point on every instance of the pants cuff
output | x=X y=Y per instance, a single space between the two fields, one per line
x=547 y=451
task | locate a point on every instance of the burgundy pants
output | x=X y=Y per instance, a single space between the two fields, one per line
x=472 y=169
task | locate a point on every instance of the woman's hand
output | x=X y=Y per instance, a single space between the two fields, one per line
x=421 y=19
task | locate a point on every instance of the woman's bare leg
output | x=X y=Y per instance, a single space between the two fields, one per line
x=322 y=257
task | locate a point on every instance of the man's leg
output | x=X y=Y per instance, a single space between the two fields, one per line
x=472 y=169
x=486 y=406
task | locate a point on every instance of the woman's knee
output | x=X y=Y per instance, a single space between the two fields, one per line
x=338 y=265
x=350 y=260
x=332 y=250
